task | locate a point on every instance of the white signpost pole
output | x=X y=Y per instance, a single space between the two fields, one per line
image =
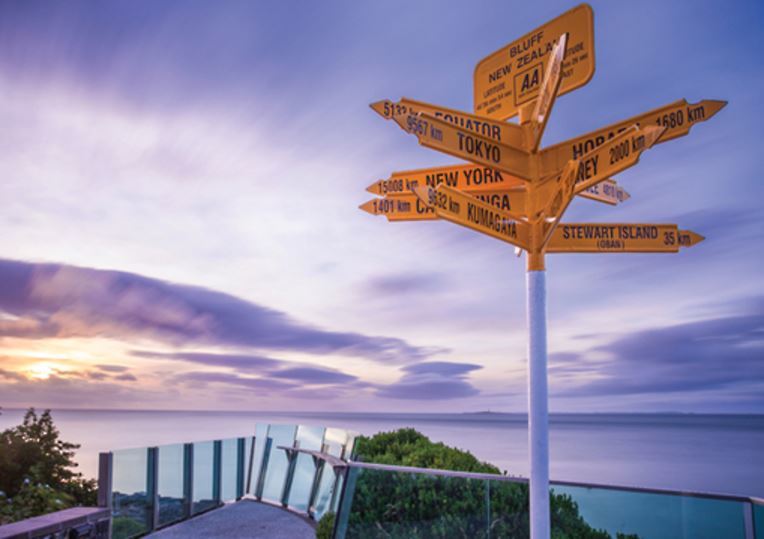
x=538 y=409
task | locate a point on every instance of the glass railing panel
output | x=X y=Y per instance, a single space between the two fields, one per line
x=310 y=438
x=261 y=433
x=649 y=515
x=130 y=503
x=170 y=483
x=416 y=505
x=228 y=469
x=275 y=473
x=326 y=489
x=203 y=490
x=507 y=507
x=335 y=440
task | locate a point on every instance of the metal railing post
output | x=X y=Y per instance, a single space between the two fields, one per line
x=105 y=480
x=188 y=480
x=317 y=475
x=263 y=468
x=289 y=477
x=217 y=468
x=750 y=532
x=487 y=509
x=346 y=502
x=105 y=474
x=241 y=448
x=251 y=465
x=152 y=486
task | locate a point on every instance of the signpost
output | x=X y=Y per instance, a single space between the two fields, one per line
x=515 y=192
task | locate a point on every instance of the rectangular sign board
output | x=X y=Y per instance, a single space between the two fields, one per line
x=620 y=238
x=511 y=77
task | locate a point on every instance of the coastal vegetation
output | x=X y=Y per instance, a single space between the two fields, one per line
x=398 y=505
x=38 y=472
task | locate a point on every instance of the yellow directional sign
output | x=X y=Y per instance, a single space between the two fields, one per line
x=408 y=207
x=468 y=177
x=548 y=93
x=474 y=179
x=511 y=76
x=677 y=118
x=504 y=132
x=401 y=208
x=620 y=238
x=467 y=211
x=612 y=157
x=444 y=136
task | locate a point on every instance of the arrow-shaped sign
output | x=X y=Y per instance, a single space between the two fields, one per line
x=620 y=238
x=549 y=87
x=504 y=132
x=677 y=118
x=467 y=211
x=607 y=191
x=444 y=136
x=614 y=156
x=408 y=207
x=474 y=179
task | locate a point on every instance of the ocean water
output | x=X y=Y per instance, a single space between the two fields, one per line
x=706 y=453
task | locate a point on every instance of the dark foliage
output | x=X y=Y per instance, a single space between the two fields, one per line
x=37 y=470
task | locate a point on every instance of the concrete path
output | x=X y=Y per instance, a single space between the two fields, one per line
x=245 y=519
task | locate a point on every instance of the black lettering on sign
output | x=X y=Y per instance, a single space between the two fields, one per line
x=422 y=208
x=697 y=113
x=499 y=73
x=492 y=220
x=478 y=148
x=587 y=169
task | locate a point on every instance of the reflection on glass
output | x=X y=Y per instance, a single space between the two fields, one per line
x=203 y=477
x=659 y=516
x=281 y=435
x=170 y=483
x=228 y=468
x=310 y=438
x=130 y=503
x=326 y=488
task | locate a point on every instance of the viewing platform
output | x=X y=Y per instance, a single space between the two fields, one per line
x=246 y=518
x=280 y=481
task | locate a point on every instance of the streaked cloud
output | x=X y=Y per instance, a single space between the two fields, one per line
x=54 y=300
x=437 y=380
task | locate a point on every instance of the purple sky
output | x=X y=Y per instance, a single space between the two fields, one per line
x=180 y=222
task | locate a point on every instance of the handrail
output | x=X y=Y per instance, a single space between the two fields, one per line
x=335 y=462
x=436 y=471
x=518 y=479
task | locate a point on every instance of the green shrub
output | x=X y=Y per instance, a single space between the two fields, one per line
x=37 y=471
x=325 y=527
x=404 y=505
